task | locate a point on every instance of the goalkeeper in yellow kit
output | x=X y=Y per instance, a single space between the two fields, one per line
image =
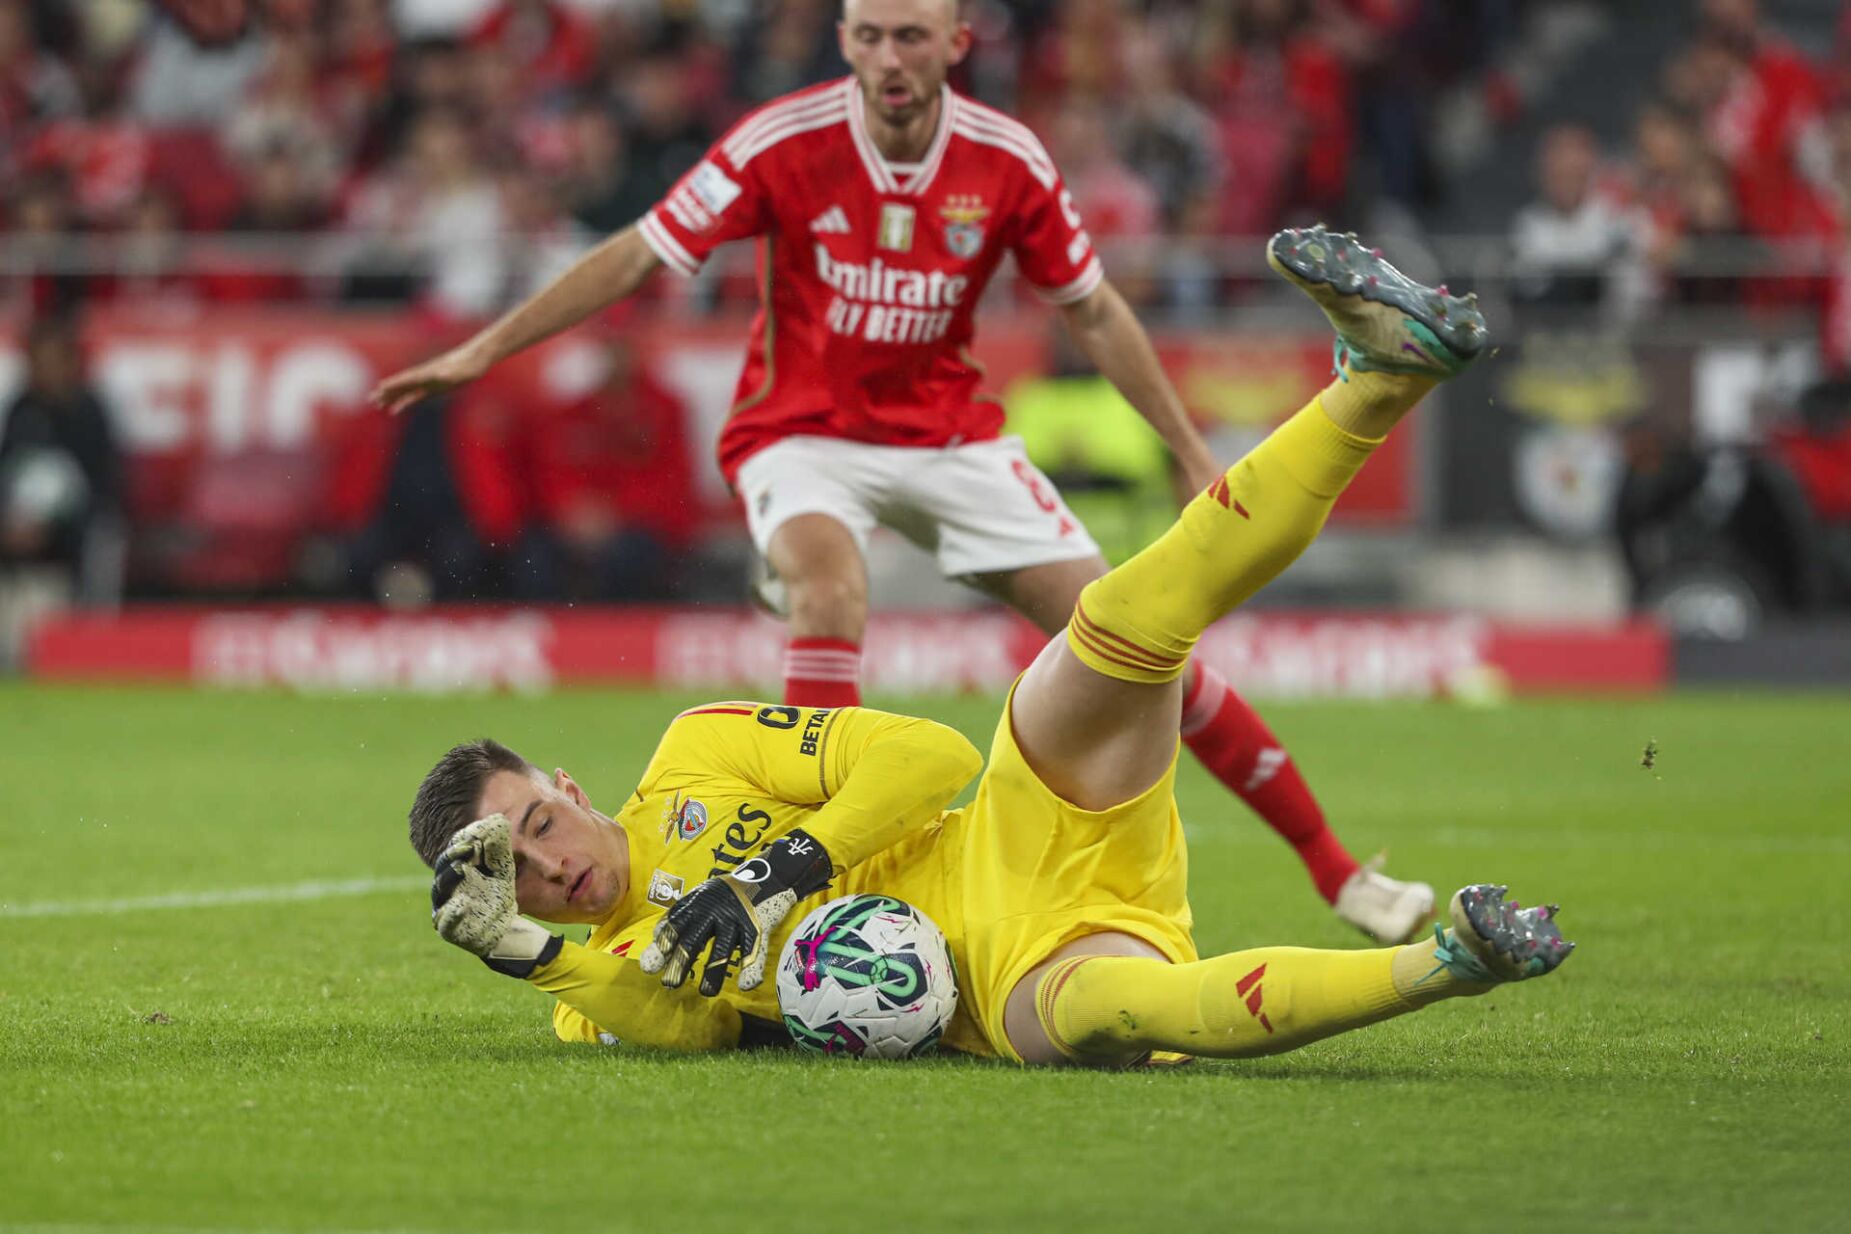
x=1062 y=887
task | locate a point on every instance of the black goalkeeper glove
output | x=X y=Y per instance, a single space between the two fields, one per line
x=473 y=905
x=737 y=913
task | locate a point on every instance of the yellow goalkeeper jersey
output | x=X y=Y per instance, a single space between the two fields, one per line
x=726 y=779
x=1010 y=878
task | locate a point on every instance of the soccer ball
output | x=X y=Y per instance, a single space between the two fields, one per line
x=867 y=975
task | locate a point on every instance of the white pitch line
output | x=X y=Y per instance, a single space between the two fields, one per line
x=1456 y=837
x=228 y=897
x=139 y=1228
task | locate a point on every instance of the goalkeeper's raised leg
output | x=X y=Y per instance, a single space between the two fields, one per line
x=1095 y=715
x=1084 y=723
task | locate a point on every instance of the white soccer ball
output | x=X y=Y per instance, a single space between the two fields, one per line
x=867 y=975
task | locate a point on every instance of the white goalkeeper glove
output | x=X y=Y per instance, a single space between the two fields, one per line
x=473 y=903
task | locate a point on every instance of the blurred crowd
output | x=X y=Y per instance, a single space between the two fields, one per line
x=1733 y=192
x=456 y=153
x=497 y=493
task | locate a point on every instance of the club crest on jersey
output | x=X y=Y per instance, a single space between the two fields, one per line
x=692 y=820
x=664 y=888
x=963 y=216
x=896 y=230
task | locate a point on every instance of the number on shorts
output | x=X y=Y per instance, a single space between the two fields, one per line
x=1036 y=486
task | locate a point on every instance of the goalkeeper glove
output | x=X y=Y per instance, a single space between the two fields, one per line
x=473 y=903
x=737 y=913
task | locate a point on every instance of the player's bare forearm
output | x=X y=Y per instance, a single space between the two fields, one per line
x=1109 y=333
x=600 y=278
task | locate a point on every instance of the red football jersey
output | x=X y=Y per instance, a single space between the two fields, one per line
x=870 y=272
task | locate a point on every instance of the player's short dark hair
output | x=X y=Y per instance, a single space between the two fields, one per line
x=447 y=800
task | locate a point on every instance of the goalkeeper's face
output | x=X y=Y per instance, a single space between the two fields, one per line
x=571 y=863
x=900 y=51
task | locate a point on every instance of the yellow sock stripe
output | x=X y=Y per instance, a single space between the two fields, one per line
x=1144 y=657
x=1138 y=663
x=1089 y=639
x=1046 y=991
x=1101 y=661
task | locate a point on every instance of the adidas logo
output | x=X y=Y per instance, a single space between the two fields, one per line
x=1219 y=491
x=831 y=222
x=1249 y=988
x=1265 y=767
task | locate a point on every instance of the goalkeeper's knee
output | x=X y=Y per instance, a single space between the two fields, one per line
x=1141 y=621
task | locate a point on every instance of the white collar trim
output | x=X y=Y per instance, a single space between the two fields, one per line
x=880 y=171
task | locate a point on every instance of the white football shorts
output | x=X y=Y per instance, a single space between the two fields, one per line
x=980 y=507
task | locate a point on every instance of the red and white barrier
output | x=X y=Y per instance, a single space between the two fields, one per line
x=1268 y=655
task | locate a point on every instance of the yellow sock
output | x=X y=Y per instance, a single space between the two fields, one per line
x=1140 y=622
x=1249 y=1003
x=1369 y=404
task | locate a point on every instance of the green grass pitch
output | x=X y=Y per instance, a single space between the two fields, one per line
x=326 y=1063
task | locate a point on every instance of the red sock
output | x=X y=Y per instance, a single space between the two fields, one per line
x=822 y=672
x=1235 y=744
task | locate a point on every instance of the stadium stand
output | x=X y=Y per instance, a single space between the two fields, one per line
x=247 y=189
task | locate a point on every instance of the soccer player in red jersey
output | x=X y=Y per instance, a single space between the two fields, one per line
x=882 y=204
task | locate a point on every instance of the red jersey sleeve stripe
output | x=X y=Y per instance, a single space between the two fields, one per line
x=1079 y=289
x=669 y=249
x=821 y=115
x=780 y=111
x=1017 y=141
x=1002 y=121
x=716 y=711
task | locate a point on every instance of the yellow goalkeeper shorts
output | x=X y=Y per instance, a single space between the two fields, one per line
x=1034 y=872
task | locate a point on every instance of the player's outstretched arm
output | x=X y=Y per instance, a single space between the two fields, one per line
x=473 y=907
x=888 y=776
x=597 y=280
x=1109 y=333
x=881 y=777
x=603 y=993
